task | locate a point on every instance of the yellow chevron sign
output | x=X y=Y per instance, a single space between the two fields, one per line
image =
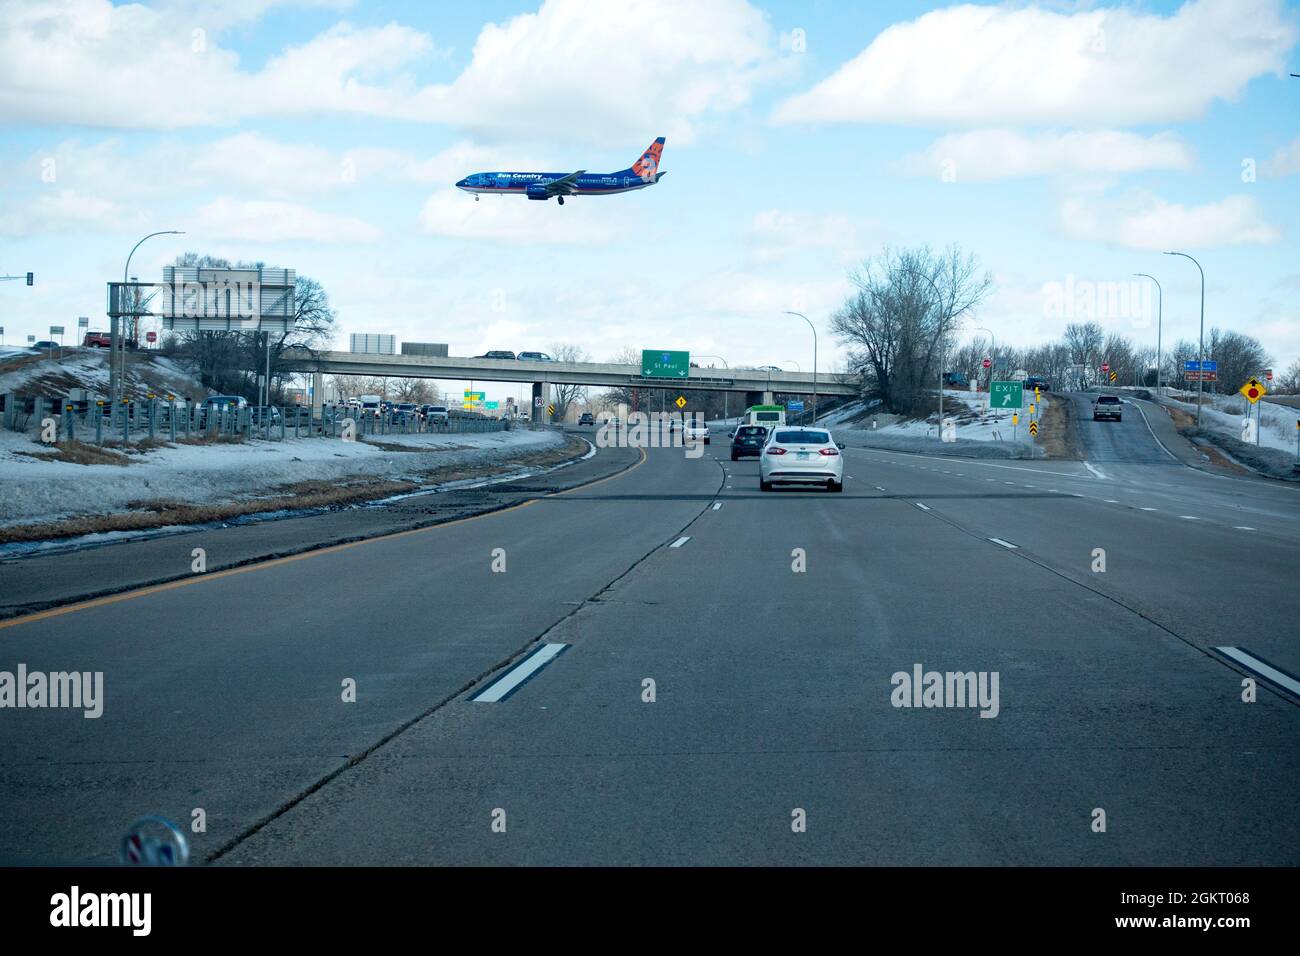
x=1033 y=428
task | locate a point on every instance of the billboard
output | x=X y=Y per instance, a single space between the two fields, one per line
x=373 y=344
x=196 y=298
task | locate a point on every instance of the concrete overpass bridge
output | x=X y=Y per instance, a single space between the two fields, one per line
x=759 y=385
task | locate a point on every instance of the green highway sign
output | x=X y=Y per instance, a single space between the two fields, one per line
x=474 y=396
x=657 y=363
x=492 y=406
x=1006 y=394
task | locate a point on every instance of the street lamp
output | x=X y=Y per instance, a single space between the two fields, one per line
x=1160 y=311
x=814 y=332
x=114 y=380
x=1200 y=363
x=725 y=392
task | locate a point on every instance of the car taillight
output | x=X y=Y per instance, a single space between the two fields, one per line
x=776 y=451
x=829 y=451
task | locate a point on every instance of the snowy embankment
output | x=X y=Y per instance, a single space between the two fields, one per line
x=32 y=489
x=979 y=432
x=1226 y=415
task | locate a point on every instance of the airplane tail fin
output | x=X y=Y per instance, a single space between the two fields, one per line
x=647 y=167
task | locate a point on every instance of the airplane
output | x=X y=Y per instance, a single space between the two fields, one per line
x=542 y=186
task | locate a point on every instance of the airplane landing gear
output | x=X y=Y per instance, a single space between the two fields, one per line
x=476 y=197
x=560 y=199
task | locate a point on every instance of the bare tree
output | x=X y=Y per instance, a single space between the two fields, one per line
x=563 y=394
x=907 y=305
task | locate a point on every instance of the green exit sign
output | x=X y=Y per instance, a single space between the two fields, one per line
x=1006 y=395
x=657 y=363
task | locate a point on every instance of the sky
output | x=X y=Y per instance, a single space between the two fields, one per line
x=1066 y=145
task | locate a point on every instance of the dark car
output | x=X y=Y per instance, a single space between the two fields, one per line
x=45 y=346
x=497 y=354
x=586 y=418
x=1034 y=382
x=748 y=440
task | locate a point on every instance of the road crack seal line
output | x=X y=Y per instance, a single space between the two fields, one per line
x=354 y=761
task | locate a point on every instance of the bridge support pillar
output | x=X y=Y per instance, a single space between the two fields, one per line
x=317 y=394
x=541 y=390
x=767 y=398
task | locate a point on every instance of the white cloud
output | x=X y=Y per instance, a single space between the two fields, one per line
x=67 y=211
x=251 y=221
x=454 y=214
x=1284 y=162
x=1140 y=220
x=986 y=65
x=779 y=233
x=614 y=80
x=989 y=154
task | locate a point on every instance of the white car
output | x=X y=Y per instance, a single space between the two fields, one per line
x=801 y=456
x=696 y=432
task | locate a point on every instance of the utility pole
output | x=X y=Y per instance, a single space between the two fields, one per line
x=1200 y=384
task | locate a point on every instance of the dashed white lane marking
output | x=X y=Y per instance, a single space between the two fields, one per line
x=680 y=541
x=1243 y=527
x=1005 y=544
x=1095 y=471
x=1012 y=483
x=922 y=507
x=1189 y=517
x=1075 y=494
x=1111 y=501
x=879 y=487
x=1148 y=509
x=717 y=505
x=1027 y=486
x=1262 y=668
x=509 y=682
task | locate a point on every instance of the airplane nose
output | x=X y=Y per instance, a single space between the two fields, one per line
x=461 y=184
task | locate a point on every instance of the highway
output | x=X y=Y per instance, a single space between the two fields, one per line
x=771 y=685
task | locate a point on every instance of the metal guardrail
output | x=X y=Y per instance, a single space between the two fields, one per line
x=137 y=420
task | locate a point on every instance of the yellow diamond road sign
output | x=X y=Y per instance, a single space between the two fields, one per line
x=681 y=402
x=1253 y=390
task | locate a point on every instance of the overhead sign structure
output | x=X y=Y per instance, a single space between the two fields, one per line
x=1006 y=394
x=1254 y=390
x=217 y=300
x=656 y=363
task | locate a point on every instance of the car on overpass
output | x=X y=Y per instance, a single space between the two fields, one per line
x=535 y=357
x=1107 y=406
x=801 y=456
x=497 y=354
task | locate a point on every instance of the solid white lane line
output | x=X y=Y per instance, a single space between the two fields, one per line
x=717 y=505
x=680 y=541
x=1262 y=668
x=509 y=682
x=922 y=507
x=1005 y=544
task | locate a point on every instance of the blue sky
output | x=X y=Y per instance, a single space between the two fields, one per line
x=1061 y=143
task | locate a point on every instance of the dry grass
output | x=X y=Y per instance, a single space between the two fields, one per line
x=393 y=446
x=1058 y=434
x=161 y=513
x=80 y=453
x=540 y=459
x=203 y=438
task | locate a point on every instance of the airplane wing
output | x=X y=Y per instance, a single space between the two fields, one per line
x=565 y=185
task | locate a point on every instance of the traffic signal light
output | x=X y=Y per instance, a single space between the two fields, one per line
x=31 y=278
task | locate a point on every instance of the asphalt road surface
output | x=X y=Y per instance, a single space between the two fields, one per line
x=723 y=693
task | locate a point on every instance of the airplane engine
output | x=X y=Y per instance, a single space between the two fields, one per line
x=537 y=192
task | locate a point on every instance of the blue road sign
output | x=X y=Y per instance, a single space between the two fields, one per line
x=794 y=406
x=1206 y=366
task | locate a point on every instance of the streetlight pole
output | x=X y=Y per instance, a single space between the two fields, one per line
x=114 y=379
x=725 y=392
x=814 y=332
x=1160 y=312
x=1200 y=383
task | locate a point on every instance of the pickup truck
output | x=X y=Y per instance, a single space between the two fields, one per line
x=1106 y=406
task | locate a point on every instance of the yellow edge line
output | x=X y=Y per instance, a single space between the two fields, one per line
x=289 y=559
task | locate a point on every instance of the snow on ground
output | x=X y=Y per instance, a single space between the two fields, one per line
x=31 y=489
x=1225 y=414
x=24 y=372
